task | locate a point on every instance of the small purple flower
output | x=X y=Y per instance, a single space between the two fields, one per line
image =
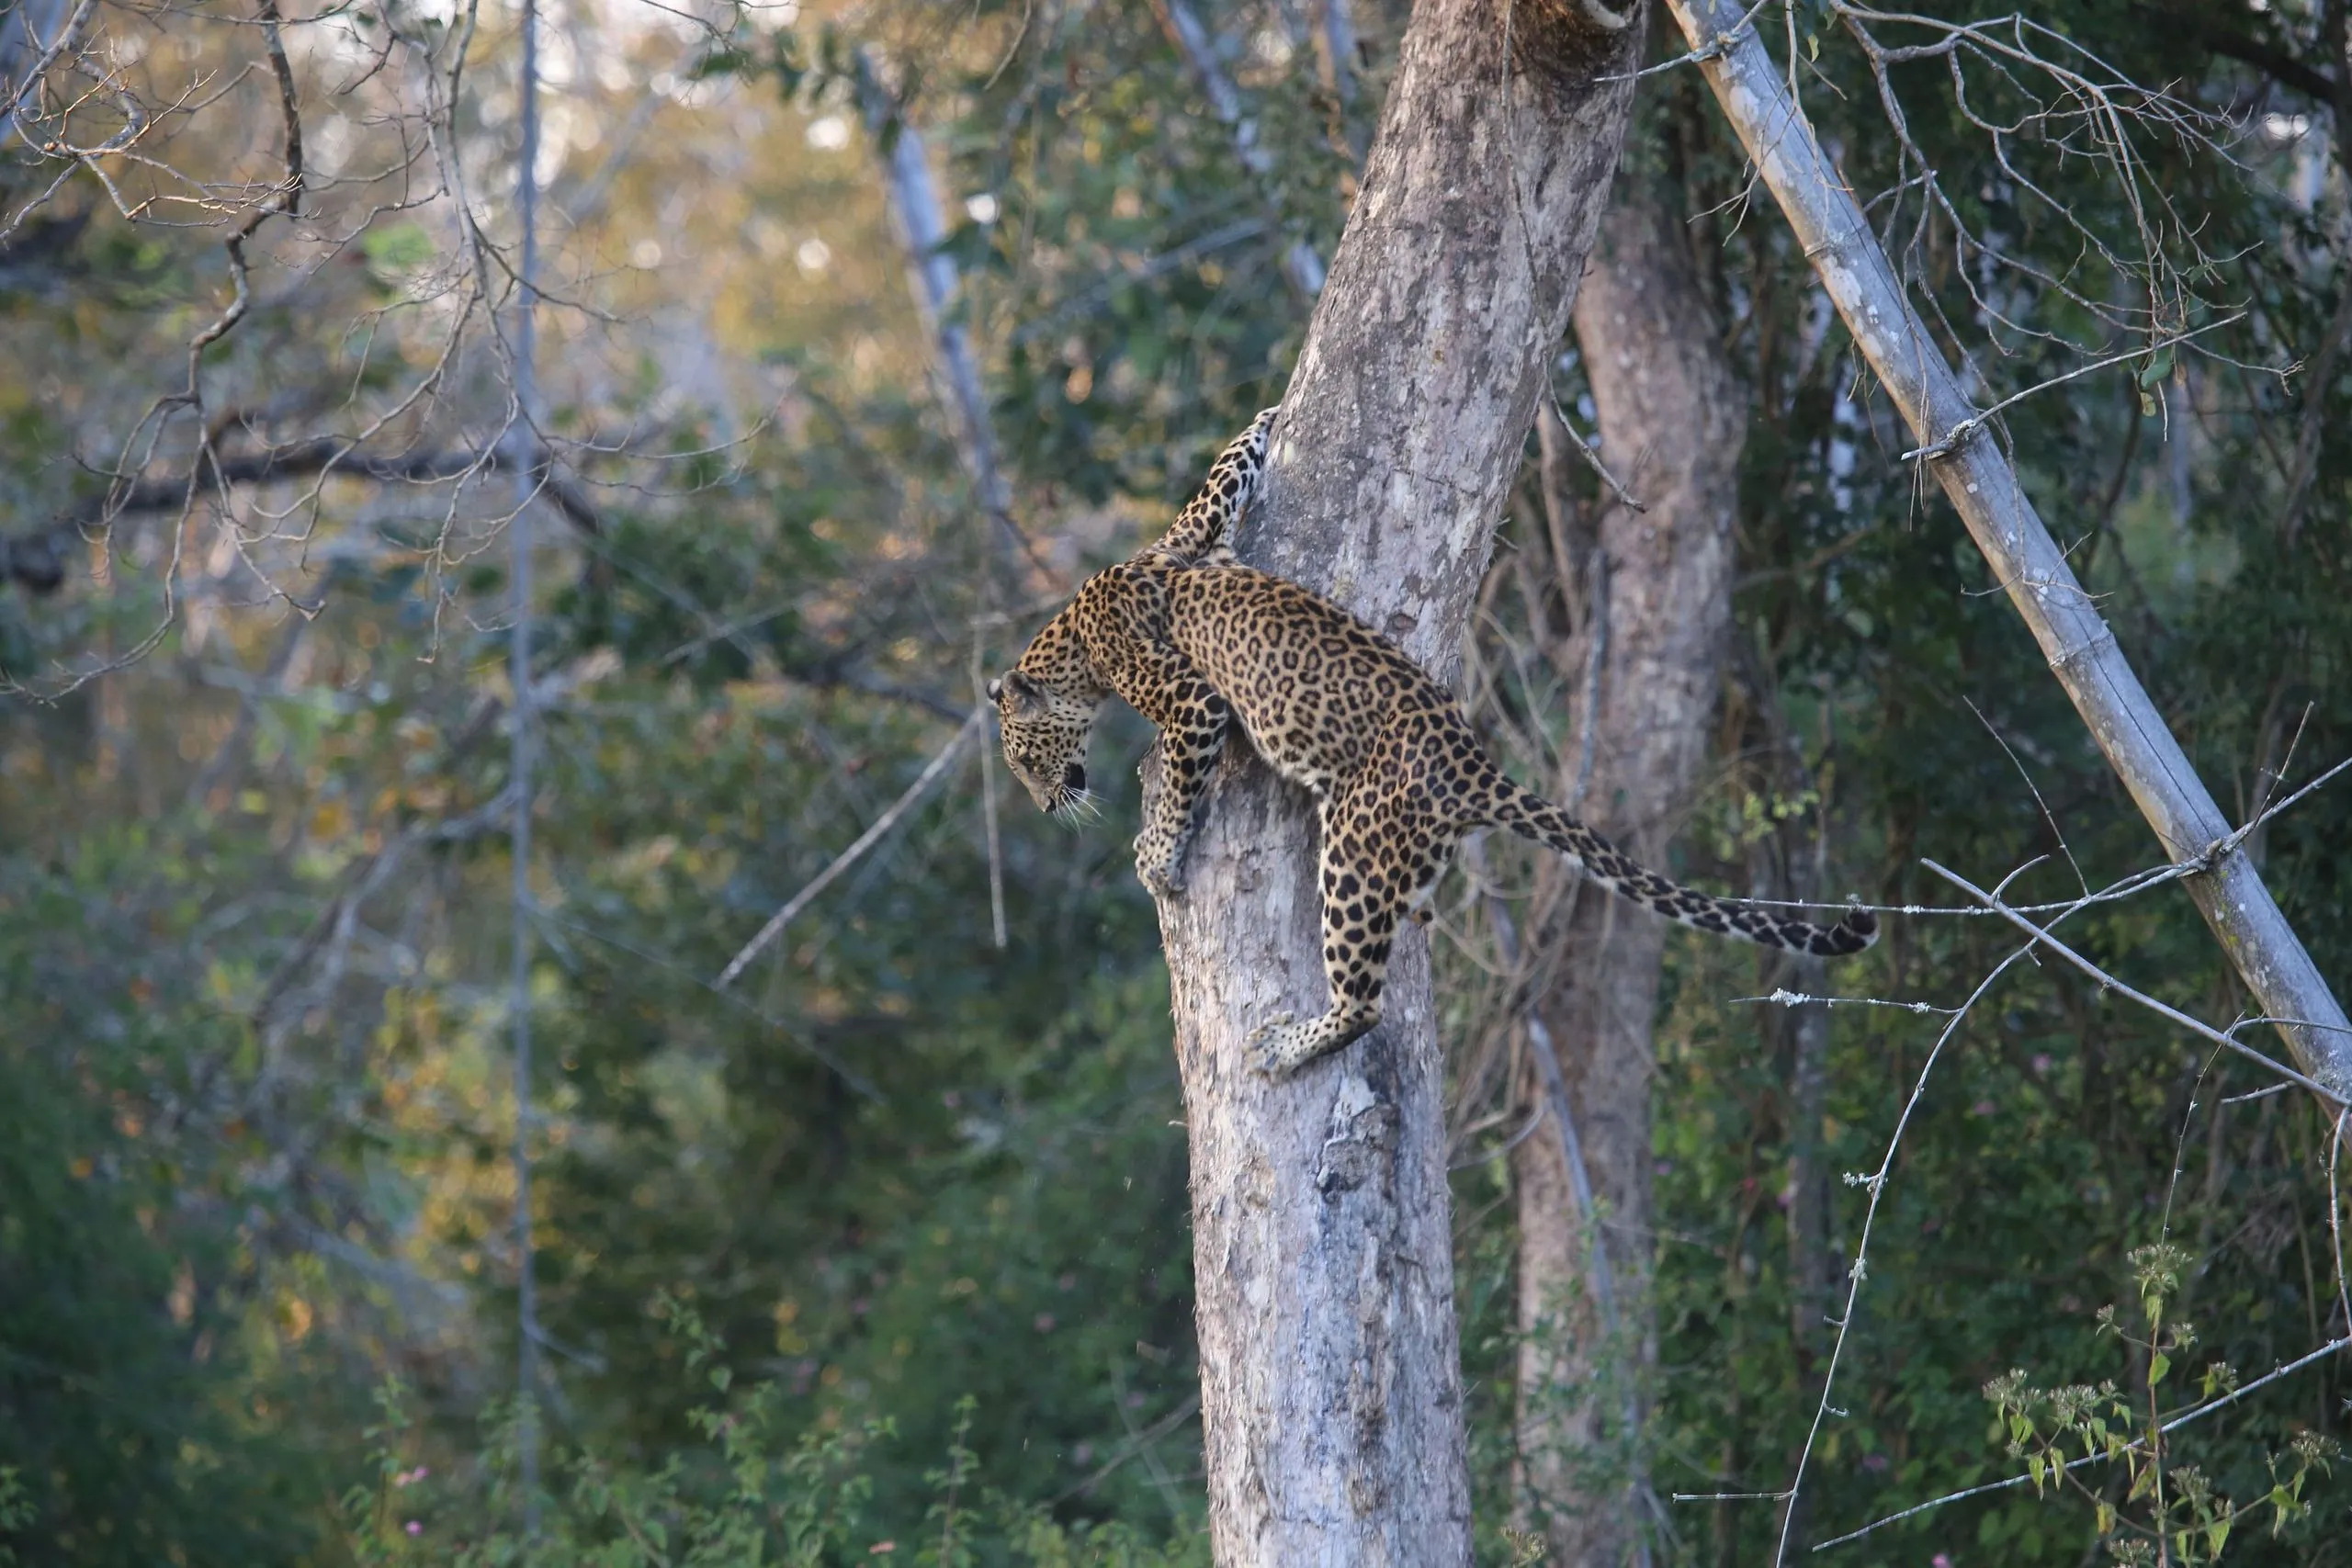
x=413 y=1528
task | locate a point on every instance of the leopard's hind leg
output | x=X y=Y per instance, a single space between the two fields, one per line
x=1382 y=852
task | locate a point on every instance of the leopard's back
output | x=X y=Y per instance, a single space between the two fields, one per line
x=1314 y=686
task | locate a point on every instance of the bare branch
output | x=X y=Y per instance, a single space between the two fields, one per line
x=2083 y=653
x=1302 y=266
x=850 y=856
x=2183 y=1419
x=2042 y=937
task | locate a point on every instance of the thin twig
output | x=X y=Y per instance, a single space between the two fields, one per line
x=1875 y=1183
x=525 y=376
x=1596 y=657
x=2198 y=1414
x=1944 y=446
x=989 y=814
x=858 y=1082
x=2195 y=1026
x=850 y=856
x=1134 y=1445
x=2235 y=840
x=1591 y=452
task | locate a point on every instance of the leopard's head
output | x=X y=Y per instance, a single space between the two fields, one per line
x=1045 y=729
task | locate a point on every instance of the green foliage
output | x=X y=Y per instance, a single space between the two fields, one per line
x=136 y=1423
x=742 y=1491
x=924 y=1191
x=2169 y=1509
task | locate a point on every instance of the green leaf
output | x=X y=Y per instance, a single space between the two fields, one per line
x=2158 y=1365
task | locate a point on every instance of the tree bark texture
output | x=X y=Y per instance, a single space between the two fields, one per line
x=1332 y=1391
x=1968 y=461
x=1671 y=422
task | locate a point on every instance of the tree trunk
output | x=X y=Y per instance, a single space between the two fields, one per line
x=1671 y=423
x=1969 y=462
x=1331 y=1389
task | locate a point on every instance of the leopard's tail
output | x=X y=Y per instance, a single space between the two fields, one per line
x=1206 y=522
x=1531 y=816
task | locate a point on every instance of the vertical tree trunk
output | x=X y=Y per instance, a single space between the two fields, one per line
x=1671 y=422
x=1331 y=1380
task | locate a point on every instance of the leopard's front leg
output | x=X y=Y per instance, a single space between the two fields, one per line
x=1190 y=736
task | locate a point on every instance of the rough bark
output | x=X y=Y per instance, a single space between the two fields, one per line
x=1967 y=459
x=1670 y=420
x=1331 y=1389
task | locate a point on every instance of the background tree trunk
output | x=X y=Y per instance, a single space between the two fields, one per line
x=1672 y=421
x=1331 y=1378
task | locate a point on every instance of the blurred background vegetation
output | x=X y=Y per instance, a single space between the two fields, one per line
x=883 y=1254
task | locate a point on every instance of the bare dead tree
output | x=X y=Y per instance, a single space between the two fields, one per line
x=1957 y=443
x=921 y=225
x=1302 y=268
x=1330 y=1385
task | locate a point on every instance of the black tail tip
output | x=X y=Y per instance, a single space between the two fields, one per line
x=1857 y=931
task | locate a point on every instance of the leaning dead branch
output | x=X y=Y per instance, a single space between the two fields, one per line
x=1861 y=281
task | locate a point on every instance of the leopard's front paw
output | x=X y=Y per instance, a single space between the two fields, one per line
x=1271 y=1046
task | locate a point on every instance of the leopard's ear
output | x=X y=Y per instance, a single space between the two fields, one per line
x=1019 y=692
x=996 y=690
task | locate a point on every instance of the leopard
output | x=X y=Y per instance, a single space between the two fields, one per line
x=1202 y=645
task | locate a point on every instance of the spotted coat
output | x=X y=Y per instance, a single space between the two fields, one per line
x=1196 y=641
